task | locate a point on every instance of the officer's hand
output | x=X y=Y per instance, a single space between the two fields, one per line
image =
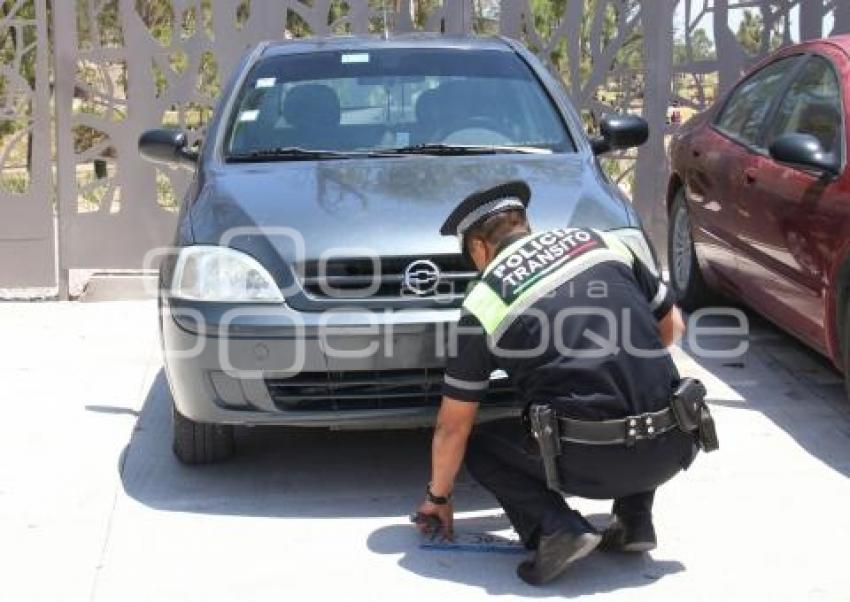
x=444 y=513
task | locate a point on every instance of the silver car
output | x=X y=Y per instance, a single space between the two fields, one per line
x=308 y=284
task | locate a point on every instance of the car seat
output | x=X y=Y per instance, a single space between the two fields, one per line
x=312 y=112
x=427 y=116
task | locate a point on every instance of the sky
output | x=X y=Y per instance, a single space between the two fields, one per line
x=735 y=18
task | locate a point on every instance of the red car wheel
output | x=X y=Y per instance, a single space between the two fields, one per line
x=685 y=276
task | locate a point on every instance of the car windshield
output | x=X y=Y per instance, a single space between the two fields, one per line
x=390 y=100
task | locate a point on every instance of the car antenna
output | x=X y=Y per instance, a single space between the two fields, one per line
x=386 y=27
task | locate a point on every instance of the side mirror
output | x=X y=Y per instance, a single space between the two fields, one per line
x=169 y=147
x=620 y=132
x=805 y=151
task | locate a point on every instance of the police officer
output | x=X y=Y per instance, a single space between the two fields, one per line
x=581 y=325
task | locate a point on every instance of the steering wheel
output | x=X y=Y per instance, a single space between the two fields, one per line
x=479 y=124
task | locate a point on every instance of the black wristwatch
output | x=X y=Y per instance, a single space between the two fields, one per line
x=439 y=500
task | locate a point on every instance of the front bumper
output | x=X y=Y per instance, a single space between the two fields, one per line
x=221 y=360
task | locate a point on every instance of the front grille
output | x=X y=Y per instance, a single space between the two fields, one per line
x=384 y=277
x=370 y=390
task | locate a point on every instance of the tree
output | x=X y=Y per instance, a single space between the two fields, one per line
x=701 y=48
x=752 y=31
x=548 y=15
x=13 y=42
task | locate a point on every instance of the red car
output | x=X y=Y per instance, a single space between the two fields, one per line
x=759 y=197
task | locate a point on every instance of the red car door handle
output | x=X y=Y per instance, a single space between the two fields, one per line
x=750 y=176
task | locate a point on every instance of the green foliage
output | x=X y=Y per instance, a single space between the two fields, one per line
x=170 y=27
x=751 y=34
x=12 y=42
x=102 y=29
x=209 y=83
x=16 y=182
x=158 y=16
x=165 y=196
x=593 y=35
x=548 y=15
x=701 y=49
x=296 y=25
x=243 y=11
x=338 y=9
x=422 y=9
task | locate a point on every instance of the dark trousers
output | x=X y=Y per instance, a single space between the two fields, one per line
x=504 y=459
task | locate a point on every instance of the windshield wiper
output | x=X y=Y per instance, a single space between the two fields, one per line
x=294 y=153
x=466 y=149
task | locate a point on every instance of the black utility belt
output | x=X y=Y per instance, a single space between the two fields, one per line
x=619 y=431
x=687 y=411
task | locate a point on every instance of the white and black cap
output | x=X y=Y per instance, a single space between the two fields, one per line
x=483 y=204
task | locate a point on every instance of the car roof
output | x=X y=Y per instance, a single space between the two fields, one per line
x=842 y=42
x=375 y=42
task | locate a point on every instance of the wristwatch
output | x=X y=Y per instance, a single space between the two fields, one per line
x=439 y=500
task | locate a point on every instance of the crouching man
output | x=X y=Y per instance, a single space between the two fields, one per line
x=599 y=422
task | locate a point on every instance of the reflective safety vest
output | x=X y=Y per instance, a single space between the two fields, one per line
x=535 y=265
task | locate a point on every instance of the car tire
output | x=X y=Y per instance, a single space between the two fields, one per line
x=685 y=275
x=201 y=443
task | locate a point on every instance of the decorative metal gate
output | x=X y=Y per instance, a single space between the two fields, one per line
x=26 y=191
x=122 y=66
x=128 y=66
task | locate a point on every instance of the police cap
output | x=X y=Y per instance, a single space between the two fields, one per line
x=483 y=204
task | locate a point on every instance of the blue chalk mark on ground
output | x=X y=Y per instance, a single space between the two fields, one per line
x=486 y=548
x=473 y=542
x=478 y=536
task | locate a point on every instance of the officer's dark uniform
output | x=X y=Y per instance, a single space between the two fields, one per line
x=572 y=316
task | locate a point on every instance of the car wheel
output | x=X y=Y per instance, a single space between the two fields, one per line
x=200 y=443
x=685 y=276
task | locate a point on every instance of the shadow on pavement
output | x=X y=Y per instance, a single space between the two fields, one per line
x=795 y=387
x=289 y=472
x=284 y=472
x=496 y=573
x=307 y=473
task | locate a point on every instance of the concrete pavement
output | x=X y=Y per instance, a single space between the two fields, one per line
x=94 y=507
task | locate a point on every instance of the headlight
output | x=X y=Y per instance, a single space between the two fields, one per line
x=636 y=241
x=208 y=273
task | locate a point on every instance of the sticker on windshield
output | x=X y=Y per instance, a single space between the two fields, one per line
x=265 y=82
x=359 y=57
x=249 y=115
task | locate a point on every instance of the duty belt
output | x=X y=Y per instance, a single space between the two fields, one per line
x=687 y=411
x=620 y=431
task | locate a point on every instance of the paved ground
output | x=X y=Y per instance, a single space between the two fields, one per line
x=94 y=507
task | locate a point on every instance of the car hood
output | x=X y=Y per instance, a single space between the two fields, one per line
x=391 y=206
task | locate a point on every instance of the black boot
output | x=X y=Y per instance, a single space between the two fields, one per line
x=556 y=551
x=629 y=534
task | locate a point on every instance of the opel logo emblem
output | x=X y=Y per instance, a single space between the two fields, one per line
x=421 y=277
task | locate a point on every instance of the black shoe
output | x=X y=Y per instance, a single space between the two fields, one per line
x=635 y=534
x=555 y=553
